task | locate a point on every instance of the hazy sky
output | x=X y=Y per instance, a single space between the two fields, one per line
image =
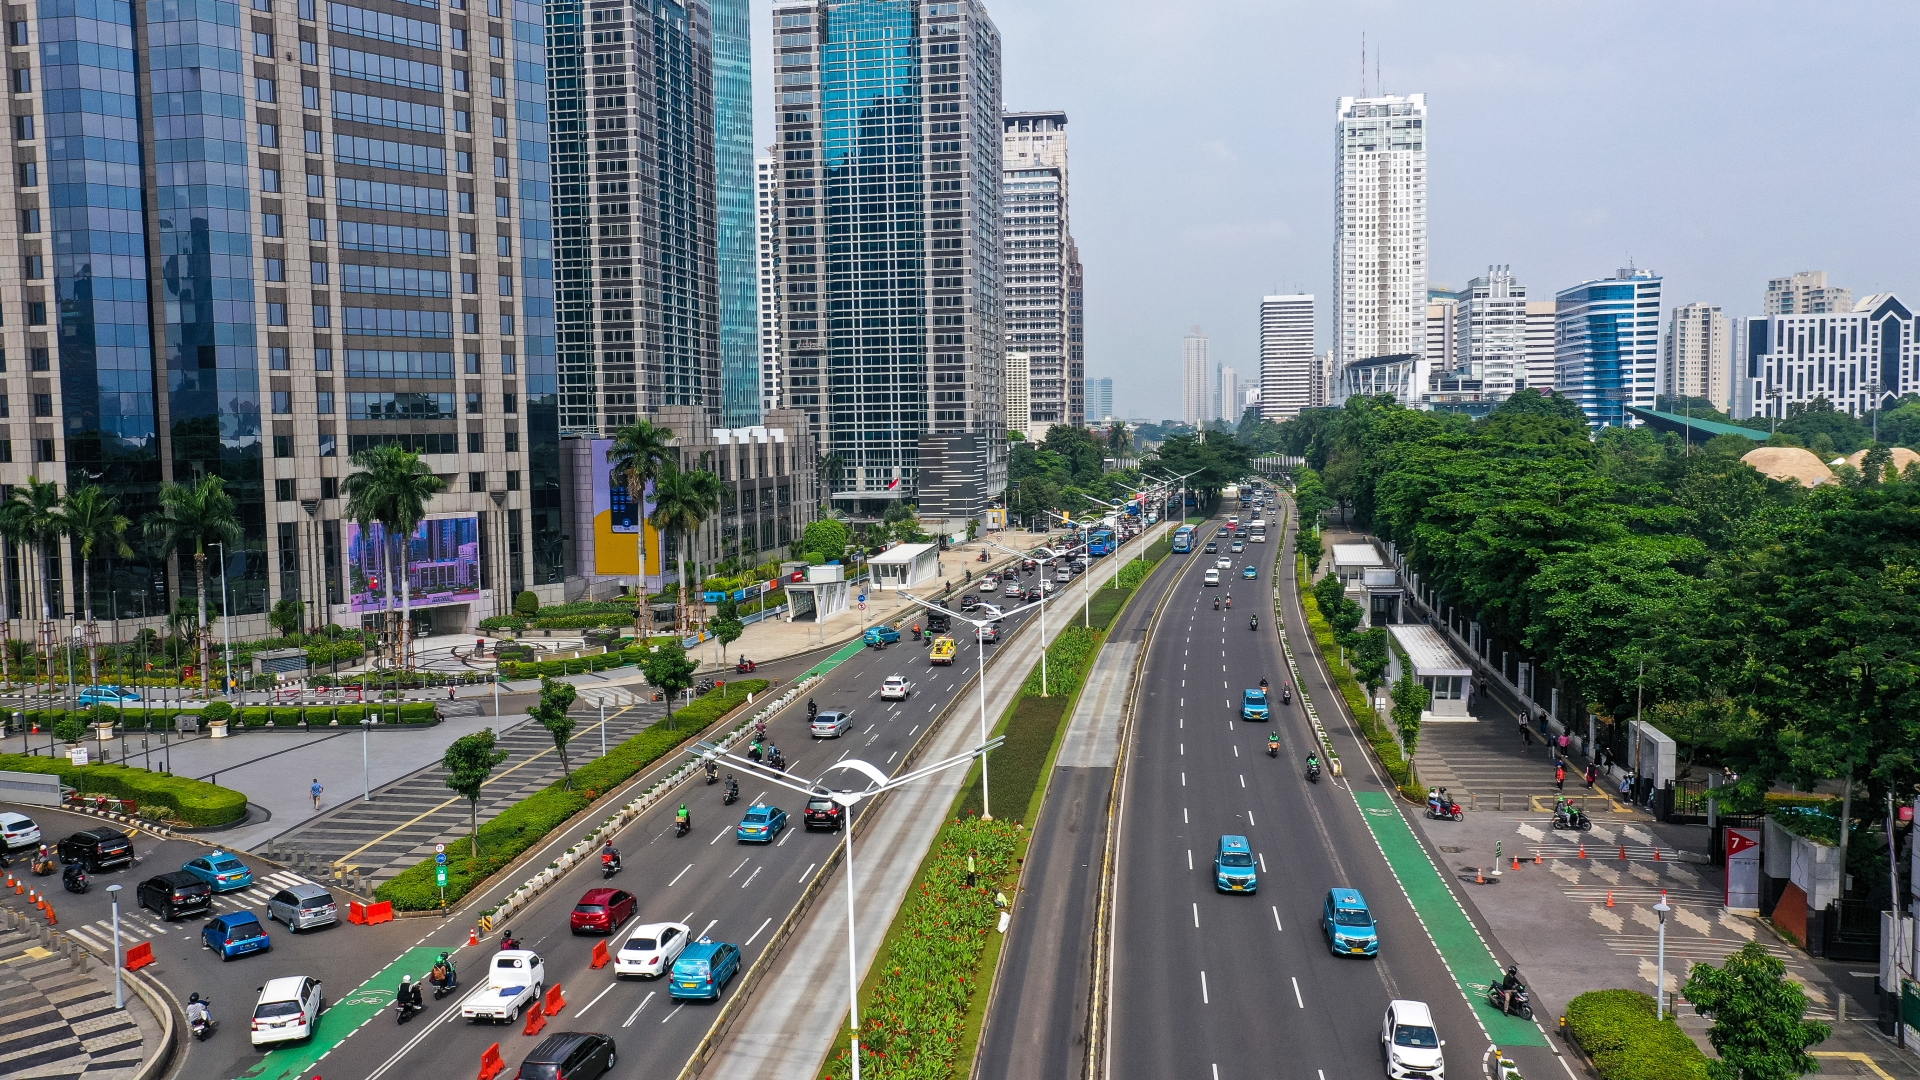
x=1716 y=144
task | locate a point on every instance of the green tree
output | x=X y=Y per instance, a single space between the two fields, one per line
x=641 y=451
x=826 y=538
x=1759 y=1027
x=285 y=616
x=668 y=668
x=469 y=761
x=551 y=711
x=70 y=729
x=1369 y=657
x=726 y=625
x=1084 y=455
x=92 y=520
x=1819 y=417
x=193 y=516
x=1410 y=699
x=683 y=501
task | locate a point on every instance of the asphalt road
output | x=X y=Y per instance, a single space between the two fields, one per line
x=1210 y=985
x=723 y=889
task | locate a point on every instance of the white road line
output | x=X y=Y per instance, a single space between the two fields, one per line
x=1243 y=781
x=1276 y=919
x=704 y=929
x=1236 y=749
x=679 y=875
x=742 y=866
x=716 y=839
x=808 y=872
x=636 y=1011
x=916 y=727
x=1249 y=816
x=1184 y=819
x=870 y=728
x=1263 y=862
x=891 y=756
x=1183 y=749
x=595 y=1001
x=1189 y=858
x=1183 y=778
x=750 y=877
x=783 y=838
x=1302 y=1002
x=1196 y=916
x=674 y=1013
x=1203 y=989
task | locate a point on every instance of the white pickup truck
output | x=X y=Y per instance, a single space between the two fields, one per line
x=515 y=980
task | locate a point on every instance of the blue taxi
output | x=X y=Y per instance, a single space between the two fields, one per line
x=1349 y=924
x=1253 y=705
x=1233 y=865
x=703 y=970
x=1250 y=572
x=761 y=824
x=220 y=870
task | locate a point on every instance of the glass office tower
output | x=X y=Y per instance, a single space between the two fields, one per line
x=733 y=167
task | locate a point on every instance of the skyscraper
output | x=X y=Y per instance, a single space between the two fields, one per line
x=236 y=253
x=735 y=196
x=1443 y=304
x=1099 y=400
x=890 y=137
x=1198 y=373
x=1019 y=399
x=767 y=191
x=1490 y=336
x=1321 y=390
x=1230 y=396
x=1541 y=357
x=1607 y=337
x=1042 y=265
x=1699 y=356
x=1858 y=360
x=1806 y=293
x=1286 y=355
x=634 y=207
x=1380 y=231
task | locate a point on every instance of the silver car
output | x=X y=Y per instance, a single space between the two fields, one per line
x=303 y=906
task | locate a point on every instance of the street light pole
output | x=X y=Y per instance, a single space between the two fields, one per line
x=1660 y=982
x=226 y=618
x=119 y=994
x=366 y=769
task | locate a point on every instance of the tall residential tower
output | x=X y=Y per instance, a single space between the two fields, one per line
x=1197 y=375
x=1286 y=355
x=1380 y=232
x=1041 y=262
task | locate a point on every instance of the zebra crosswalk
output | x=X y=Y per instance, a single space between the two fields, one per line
x=613 y=697
x=139 y=924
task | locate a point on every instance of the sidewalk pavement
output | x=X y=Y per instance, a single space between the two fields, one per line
x=801 y=1007
x=61 y=1022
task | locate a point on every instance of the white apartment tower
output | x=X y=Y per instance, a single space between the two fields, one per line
x=1542 y=358
x=1286 y=356
x=1041 y=262
x=1699 y=357
x=1806 y=293
x=1230 y=407
x=1019 y=393
x=767 y=204
x=1490 y=332
x=1380 y=231
x=1197 y=370
x=1324 y=381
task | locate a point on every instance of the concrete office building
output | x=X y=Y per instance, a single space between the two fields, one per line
x=1607 y=341
x=1853 y=359
x=1489 y=340
x=1321 y=391
x=1018 y=393
x=1380 y=232
x=1197 y=376
x=1698 y=362
x=248 y=243
x=1442 y=305
x=890 y=159
x=1286 y=355
x=634 y=202
x=1099 y=400
x=1806 y=293
x=1041 y=262
x=767 y=198
x=1542 y=358
x=1229 y=395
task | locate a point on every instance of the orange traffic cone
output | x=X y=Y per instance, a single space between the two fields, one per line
x=1536 y=856
x=1656 y=853
x=1609 y=897
x=1516 y=862
x=1583 y=849
x=1479 y=878
x=52 y=919
x=473 y=935
x=1623 y=853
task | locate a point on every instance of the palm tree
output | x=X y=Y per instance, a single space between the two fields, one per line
x=14 y=533
x=93 y=520
x=683 y=501
x=36 y=506
x=196 y=515
x=639 y=453
x=392 y=488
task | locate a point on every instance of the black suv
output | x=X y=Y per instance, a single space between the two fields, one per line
x=939 y=622
x=98 y=849
x=175 y=894
x=568 y=1055
x=824 y=813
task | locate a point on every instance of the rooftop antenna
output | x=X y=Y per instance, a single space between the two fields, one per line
x=1363 y=63
x=1379 y=88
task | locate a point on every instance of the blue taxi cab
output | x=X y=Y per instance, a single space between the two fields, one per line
x=1349 y=924
x=1233 y=865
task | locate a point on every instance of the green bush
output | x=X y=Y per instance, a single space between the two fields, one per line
x=287 y=717
x=255 y=716
x=349 y=714
x=496 y=623
x=195 y=802
x=1617 y=1030
x=528 y=821
x=526 y=604
x=417 y=712
x=70 y=728
x=217 y=710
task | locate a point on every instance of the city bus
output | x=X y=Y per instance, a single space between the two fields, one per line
x=1183 y=540
x=1100 y=542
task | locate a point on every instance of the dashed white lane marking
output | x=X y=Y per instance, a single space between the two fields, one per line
x=1302 y=1002
x=679 y=875
x=636 y=1012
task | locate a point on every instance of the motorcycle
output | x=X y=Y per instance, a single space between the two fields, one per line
x=682 y=826
x=732 y=794
x=704 y=686
x=443 y=987
x=1216 y=603
x=1273 y=747
x=43 y=867
x=1253 y=622
x=778 y=760
x=713 y=773
x=1513 y=1003
x=201 y=1027
x=1443 y=807
x=508 y=942
x=1286 y=695
x=405 y=1011
x=1572 y=817
x=1313 y=771
x=609 y=865
x=745 y=666
x=812 y=711
x=75 y=880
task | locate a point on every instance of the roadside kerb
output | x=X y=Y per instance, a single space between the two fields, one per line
x=161 y=1005
x=730 y=1011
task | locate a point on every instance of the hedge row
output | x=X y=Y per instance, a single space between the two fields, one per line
x=528 y=821
x=1618 y=1031
x=412 y=712
x=195 y=802
x=1386 y=746
x=533 y=669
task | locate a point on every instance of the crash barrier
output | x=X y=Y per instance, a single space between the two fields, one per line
x=601 y=957
x=555 y=1002
x=491 y=1064
x=379 y=913
x=140 y=956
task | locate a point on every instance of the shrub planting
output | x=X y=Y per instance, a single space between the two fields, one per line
x=1617 y=1030
x=195 y=802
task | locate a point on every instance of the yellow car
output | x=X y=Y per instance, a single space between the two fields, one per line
x=943 y=650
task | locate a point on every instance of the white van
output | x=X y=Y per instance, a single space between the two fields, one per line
x=1213 y=577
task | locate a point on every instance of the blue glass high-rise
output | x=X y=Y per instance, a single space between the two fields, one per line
x=735 y=199
x=1606 y=342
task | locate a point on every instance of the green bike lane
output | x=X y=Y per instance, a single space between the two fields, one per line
x=344 y=1017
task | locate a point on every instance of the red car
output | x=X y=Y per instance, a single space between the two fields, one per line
x=601 y=911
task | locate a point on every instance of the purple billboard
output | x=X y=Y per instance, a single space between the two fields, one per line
x=442 y=564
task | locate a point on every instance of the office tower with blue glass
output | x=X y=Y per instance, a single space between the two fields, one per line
x=889 y=155
x=736 y=210
x=636 y=252
x=1607 y=345
x=255 y=238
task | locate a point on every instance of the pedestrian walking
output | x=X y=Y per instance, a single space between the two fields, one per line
x=1560 y=777
x=315 y=791
x=1526 y=737
x=1593 y=773
x=1564 y=742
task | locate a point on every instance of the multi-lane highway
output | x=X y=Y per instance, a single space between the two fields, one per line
x=720 y=888
x=1211 y=985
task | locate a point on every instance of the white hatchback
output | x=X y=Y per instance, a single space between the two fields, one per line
x=18 y=831
x=287 y=1010
x=651 y=950
x=990 y=583
x=894 y=689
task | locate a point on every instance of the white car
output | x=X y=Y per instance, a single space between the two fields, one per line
x=1258 y=538
x=894 y=689
x=831 y=724
x=18 y=831
x=1212 y=578
x=990 y=583
x=651 y=950
x=287 y=1009
x=1411 y=1042
x=516 y=980
x=1223 y=563
x=991 y=611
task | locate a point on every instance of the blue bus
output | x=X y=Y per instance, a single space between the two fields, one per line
x=1100 y=542
x=1183 y=540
